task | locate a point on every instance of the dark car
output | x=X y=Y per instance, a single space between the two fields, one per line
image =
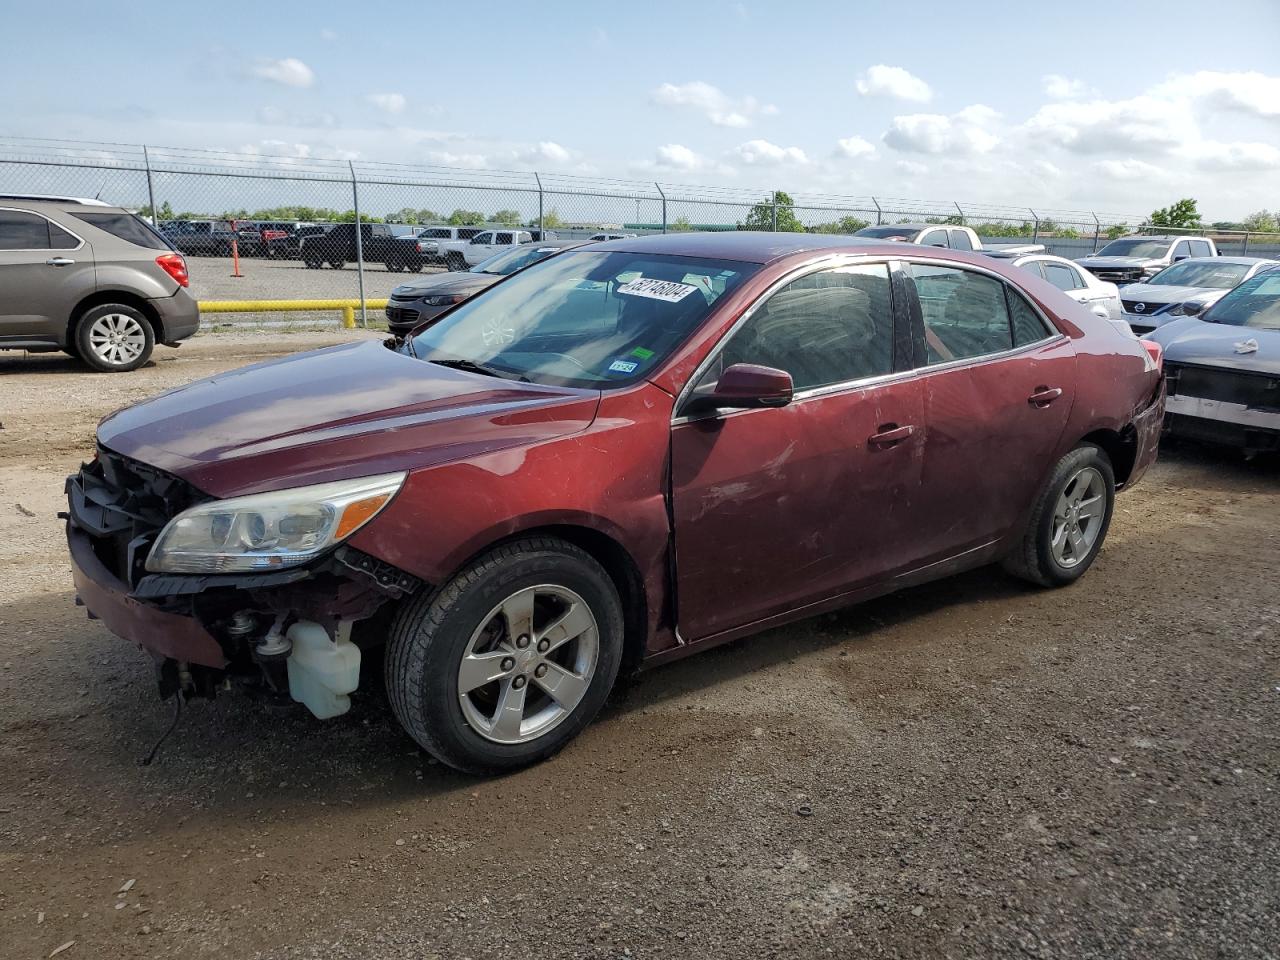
x=336 y=246
x=1223 y=366
x=412 y=304
x=200 y=238
x=615 y=457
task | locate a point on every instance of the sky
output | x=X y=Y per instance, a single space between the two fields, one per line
x=1067 y=106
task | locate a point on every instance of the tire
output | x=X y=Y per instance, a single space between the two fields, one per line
x=393 y=267
x=433 y=633
x=414 y=267
x=1048 y=555
x=455 y=262
x=313 y=264
x=337 y=264
x=114 y=338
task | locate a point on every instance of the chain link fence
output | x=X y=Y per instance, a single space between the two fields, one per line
x=257 y=227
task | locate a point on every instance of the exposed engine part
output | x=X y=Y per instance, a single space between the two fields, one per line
x=323 y=669
x=243 y=624
x=275 y=645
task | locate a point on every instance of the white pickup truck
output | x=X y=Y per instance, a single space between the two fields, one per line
x=943 y=235
x=460 y=254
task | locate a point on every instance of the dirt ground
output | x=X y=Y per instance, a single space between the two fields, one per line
x=969 y=769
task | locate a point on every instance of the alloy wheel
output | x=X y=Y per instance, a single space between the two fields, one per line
x=117 y=339
x=1078 y=517
x=529 y=664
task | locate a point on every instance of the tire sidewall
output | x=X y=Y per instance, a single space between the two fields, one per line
x=440 y=710
x=85 y=352
x=1084 y=456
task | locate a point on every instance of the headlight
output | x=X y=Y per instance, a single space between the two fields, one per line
x=1177 y=311
x=269 y=531
x=444 y=299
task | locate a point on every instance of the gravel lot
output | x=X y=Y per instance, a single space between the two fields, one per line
x=264 y=279
x=970 y=769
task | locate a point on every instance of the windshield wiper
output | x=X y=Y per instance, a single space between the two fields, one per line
x=472 y=367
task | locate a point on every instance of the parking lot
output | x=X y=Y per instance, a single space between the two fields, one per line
x=971 y=768
x=264 y=279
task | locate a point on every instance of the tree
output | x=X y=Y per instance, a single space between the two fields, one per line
x=1181 y=214
x=679 y=225
x=165 y=212
x=763 y=216
x=464 y=218
x=1264 y=221
x=508 y=218
x=845 y=225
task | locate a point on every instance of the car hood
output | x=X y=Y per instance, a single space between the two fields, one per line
x=1150 y=293
x=459 y=282
x=348 y=411
x=1088 y=262
x=1219 y=345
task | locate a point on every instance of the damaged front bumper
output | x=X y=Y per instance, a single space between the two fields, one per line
x=203 y=630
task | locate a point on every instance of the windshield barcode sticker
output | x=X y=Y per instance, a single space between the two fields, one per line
x=667 y=290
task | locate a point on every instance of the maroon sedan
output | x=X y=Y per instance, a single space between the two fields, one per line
x=611 y=459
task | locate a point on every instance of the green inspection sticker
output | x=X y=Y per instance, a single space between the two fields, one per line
x=642 y=353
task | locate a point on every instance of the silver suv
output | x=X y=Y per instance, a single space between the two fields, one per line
x=90 y=279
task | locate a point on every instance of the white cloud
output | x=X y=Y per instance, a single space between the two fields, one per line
x=388 y=102
x=911 y=168
x=546 y=151
x=884 y=81
x=676 y=156
x=1211 y=155
x=964 y=133
x=1058 y=87
x=1144 y=124
x=1128 y=169
x=712 y=102
x=447 y=158
x=290 y=72
x=1252 y=92
x=763 y=153
x=327 y=34
x=854 y=147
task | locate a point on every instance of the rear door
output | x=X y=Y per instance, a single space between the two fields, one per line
x=45 y=270
x=997 y=386
x=778 y=508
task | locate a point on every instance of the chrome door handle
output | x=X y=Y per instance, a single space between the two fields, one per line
x=890 y=434
x=58 y=262
x=1044 y=396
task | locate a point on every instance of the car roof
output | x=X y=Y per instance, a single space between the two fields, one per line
x=556 y=244
x=50 y=198
x=750 y=246
x=1241 y=261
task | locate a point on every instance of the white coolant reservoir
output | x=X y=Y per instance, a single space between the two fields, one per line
x=322 y=671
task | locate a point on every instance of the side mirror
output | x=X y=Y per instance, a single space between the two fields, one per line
x=745 y=386
x=1193 y=308
x=1179 y=258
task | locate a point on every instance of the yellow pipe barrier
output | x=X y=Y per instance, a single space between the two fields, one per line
x=348 y=307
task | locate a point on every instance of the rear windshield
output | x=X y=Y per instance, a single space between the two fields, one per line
x=884 y=233
x=582 y=319
x=1136 y=247
x=127 y=227
x=436 y=233
x=1255 y=303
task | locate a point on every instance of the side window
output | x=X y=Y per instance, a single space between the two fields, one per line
x=482 y=238
x=964 y=313
x=503 y=239
x=934 y=238
x=20 y=230
x=960 y=240
x=1200 y=248
x=1027 y=325
x=824 y=328
x=59 y=239
x=1180 y=249
x=1062 y=276
x=1033 y=266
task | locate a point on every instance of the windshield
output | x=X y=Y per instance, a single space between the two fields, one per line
x=1219 y=276
x=509 y=261
x=583 y=319
x=1135 y=247
x=1255 y=303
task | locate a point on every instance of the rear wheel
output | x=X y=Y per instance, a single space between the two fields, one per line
x=455 y=262
x=312 y=263
x=510 y=660
x=114 y=338
x=392 y=266
x=337 y=264
x=1069 y=520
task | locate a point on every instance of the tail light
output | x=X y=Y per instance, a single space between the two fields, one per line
x=1156 y=353
x=174 y=266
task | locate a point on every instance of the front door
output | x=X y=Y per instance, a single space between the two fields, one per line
x=997 y=386
x=778 y=508
x=44 y=272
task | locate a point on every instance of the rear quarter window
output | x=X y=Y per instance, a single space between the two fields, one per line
x=127 y=227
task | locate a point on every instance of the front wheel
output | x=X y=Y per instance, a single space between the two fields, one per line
x=510 y=660
x=337 y=264
x=1069 y=520
x=312 y=263
x=393 y=266
x=114 y=338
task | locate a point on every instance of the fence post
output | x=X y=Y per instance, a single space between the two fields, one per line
x=355 y=200
x=1097 y=230
x=879 y=212
x=959 y=211
x=1035 y=236
x=542 y=229
x=151 y=190
x=1246 y=244
x=663 y=195
x=774 y=217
